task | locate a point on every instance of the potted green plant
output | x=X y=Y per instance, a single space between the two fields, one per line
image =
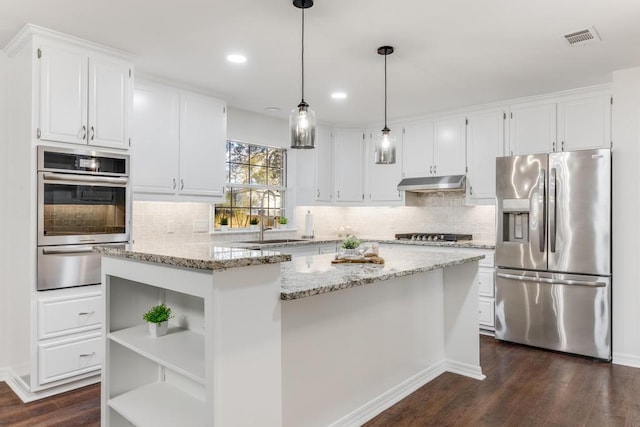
x=158 y=318
x=224 y=223
x=283 y=222
x=253 y=221
x=350 y=245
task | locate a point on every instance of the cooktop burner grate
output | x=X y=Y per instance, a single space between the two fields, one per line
x=445 y=237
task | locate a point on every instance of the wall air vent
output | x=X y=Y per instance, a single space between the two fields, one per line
x=583 y=37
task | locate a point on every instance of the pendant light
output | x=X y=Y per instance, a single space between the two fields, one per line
x=386 y=143
x=302 y=120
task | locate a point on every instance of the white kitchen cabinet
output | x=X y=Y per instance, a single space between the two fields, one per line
x=584 y=122
x=324 y=164
x=349 y=172
x=417 y=149
x=485 y=142
x=179 y=145
x=449 y=146
x=434 y=148
x=84 y=97
x=382 y=179
x=532 y=128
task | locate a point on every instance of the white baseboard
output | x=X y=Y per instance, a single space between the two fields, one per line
x=21 y=389
x=390 y=397
x=472 y=371
x=626 y=360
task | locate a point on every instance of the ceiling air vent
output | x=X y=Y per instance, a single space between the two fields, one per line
x=583 y=37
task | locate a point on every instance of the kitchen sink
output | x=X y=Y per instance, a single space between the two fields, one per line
x=262 y=242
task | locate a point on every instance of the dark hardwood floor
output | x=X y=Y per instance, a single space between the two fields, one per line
x=524 y=387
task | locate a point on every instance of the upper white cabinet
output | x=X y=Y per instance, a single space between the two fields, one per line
x=382 y=180
x=532 y=128
x=434 y=148
x=485 y=142
x=179 y=145
x=449 y=147
x=84 y=97
x=417 y=149
x=324 y=164
x=584 y=122
x=349 y=146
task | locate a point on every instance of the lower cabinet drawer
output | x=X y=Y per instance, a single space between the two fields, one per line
x=62 y=316
x=67 y=358
x=486 y=312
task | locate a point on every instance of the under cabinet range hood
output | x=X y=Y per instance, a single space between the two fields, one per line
x=432 y=183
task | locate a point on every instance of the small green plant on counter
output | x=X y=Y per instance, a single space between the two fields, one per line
x=283 y=220
x=351 y=242
x=224 y=220
x=158 y=314
x=253 y=220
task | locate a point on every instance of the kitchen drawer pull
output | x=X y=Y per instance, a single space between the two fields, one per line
x=89 y=179
x=86 y=313
x=88 y=354
x=552 y=281
x=46 y=251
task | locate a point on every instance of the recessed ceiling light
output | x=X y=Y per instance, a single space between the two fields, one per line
x=272 y=109
x=236 y=58
x=339 y=95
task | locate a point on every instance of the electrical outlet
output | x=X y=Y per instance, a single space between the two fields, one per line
x=200 y=226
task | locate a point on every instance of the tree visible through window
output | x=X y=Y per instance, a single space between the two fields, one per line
x=256 y=184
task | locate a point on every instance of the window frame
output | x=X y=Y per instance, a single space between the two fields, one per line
x=281 y=190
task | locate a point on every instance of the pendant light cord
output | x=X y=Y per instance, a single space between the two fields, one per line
x=385 y=90
x=303 y=54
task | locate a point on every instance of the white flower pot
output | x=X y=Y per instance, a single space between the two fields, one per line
x=158 y=329
x=224 y=227
x=253 y=227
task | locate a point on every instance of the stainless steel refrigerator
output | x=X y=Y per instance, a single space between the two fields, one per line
x=553 y=251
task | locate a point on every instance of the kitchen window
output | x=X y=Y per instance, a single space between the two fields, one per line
x=256 y=185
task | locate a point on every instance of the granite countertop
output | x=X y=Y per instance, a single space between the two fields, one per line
x=469 y=244
x=306 y=276
x=198 y=256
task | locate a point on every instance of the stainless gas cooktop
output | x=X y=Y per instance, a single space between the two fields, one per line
x=445 y=237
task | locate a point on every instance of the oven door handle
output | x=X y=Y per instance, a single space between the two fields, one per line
x=59 y=251
x=89 y=179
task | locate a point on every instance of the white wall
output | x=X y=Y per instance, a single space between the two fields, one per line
x=626 y=215
x=4 y=205
x=255 y=128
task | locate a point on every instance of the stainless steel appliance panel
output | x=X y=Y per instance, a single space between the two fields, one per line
x=66 y=266
x=520 y=191
x=579 y=205
x=569 y=313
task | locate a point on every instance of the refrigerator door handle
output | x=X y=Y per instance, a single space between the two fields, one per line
x=552 y=210
x=552 y=281
x=541 y=196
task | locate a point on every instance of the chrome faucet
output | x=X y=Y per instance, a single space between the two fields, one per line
x=262 y=229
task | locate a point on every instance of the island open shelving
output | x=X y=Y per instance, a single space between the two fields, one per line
x=218 y=314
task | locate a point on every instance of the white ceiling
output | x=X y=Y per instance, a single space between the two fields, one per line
x=449 y=54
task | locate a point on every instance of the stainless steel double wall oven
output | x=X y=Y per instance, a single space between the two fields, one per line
x=83 y=200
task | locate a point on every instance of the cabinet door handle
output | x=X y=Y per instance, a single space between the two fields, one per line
x=435 y=171
x=431 y=169
x=562 y=146
x=553 y=146
x=338 y=194
x=84 y=133
x=471 y=191
x=88 y=354
x=318 y=195
x=86 y=313
x=181 y=184
x=93 y=133
x=174 y=183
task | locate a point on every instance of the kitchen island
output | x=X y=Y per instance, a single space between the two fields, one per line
x=299 y=343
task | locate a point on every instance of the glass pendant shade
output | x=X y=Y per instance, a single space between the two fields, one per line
x=385 y=153
x=302 y=124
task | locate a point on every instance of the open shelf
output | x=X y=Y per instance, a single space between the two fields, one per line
x=159 y=404
x=181 y=350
